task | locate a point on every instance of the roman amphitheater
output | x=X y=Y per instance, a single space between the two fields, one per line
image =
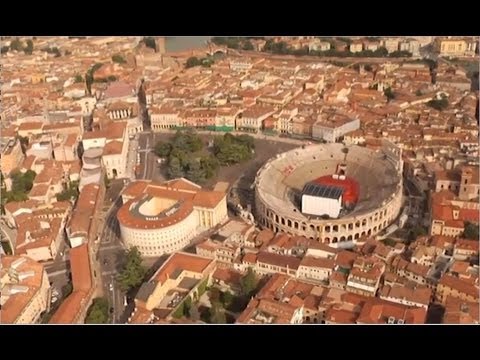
x=378 y=172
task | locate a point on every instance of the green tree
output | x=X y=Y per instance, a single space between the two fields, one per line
x=23 y=143
x=202 y=287
x=248 y=283
x=206 y=62
x=389 y=93
x=56 y=52
x=192 y=62
x=188 y=141
x=219 y=40
x=471 y=231
x=28 y=49
x=401 y=53
x=195 y=172
x=193 y=313
x=438 y=104
x=70 y=192
x=78 y=78
x=22 y=183
x=209 y=165
x=231 y=149
x=117 y=58
x=174 y=169
x=187 y=305
x=381 y=52
x=227 y=299
x=268 y=45
x=98 y=312
x=163 y=149
x=418 y=92
x=150 y=43
x=4 y=49
x=416 y=232
x=111 y=78
x=246 y=140
x=214 y=295
x=133 y=272
x=390 y=242
x=16 y=45
x=89 y=76
x=247 y=45
x=217 y=314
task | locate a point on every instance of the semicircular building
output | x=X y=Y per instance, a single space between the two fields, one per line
x=162 y=218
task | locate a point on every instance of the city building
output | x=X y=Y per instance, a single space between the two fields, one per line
x=112 y=143
x=456 y=46
x=25 y=290
x=252 y=118
x=451 y=286
x=161 y=218
x=11 y=155
x=377 y=311
x=331 y=127
x=82 y=226
x=73 y=309
x=182 y=275
x=460 y=312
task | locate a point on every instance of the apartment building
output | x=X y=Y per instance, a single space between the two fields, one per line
x=11 y=155
x=25 y=290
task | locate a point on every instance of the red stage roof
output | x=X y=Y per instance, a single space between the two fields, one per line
x=351 y=189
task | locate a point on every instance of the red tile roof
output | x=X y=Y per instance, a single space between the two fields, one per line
x=68 y=310
x=80 y=268
x=182 y=261
x=377 y=311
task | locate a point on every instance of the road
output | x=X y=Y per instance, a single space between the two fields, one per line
x=110 y=257
x=148 y=161
x=131 y=158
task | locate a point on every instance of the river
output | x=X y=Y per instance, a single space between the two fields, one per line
x=183 y=43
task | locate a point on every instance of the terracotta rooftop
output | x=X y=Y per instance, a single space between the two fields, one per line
x=419 y=295
x=80 y=268
x=229 y=276
x=68 y=310
x=345 y=259
x=461 y=286
x=17 y=302
x=339 y=316
x=84 y=209
x=377 y=311
x=458 y=311
x=113 y=148
x=323 y=263
x=184 y=262
x=278 y=260
x=186 y=194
